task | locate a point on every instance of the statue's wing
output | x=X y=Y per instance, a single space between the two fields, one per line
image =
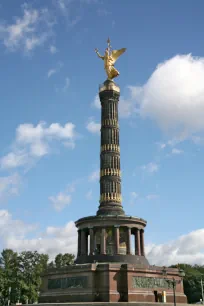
x=116 y=53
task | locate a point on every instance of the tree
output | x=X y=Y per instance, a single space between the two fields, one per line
x=63 y=260
x=22 y=274
x=191 y=281
x=9 y=265
x=32 y=265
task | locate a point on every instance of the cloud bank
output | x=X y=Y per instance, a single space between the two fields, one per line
x=173 y=96
x=33 y=142
x=29 y=31
x=187 y=248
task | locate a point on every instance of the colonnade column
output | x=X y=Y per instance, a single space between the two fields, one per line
x=103 y=241
x=117 y=239
x=91 y=233
x=137 y=242
x=142 y=241
x=128 y=240
x=83 y=242
x=79 y=243
x=86 y=243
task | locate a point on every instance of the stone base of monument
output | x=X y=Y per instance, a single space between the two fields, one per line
x=110 y=282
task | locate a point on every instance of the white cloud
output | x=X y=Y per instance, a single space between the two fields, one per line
x=60 y=201
x=173 y=96
x=176 y=151
x=150 y=168
x=96 y=103
x=89 y=1
x=63 y=5
x=69 y=144
x=33 y=142
x=54 y=70
x=94 y=176
x=67 y=83
x=52 y=241
x=198 y=140
x=161 y=146
x=12 y=229
x=9 y=185
x=126 y=108
x=51 y=72
x=89 y=195
x=13 y=160
x=152 y=196
x=14 y=234
x=102 y=12
x=134 y=195
x=93 y=126
x=39 y=148
x=53 y=49
x=73 y=16
x=185 y=249
x=27 y=32
x=65 y=87
x=64 y=198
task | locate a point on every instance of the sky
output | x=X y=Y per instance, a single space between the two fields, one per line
x=50 y=121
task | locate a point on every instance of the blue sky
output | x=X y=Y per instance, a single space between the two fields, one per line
x=50 y=120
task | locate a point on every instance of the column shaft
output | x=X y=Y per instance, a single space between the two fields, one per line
x=91 y=232
x=142 y=242
x=110 y=200
x=83 y=242
x=117 y=239
x=86 y=243
x=128 y=240
x=79 y=243
x=137 y=242
x=103 y=241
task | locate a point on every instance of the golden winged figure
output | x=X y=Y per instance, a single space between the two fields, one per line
x=109 y=58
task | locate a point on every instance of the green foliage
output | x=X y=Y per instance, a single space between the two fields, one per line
x=63 y=260
x=192 y=281
x=20 y=274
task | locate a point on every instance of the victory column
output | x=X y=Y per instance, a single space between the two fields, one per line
x=111 y=265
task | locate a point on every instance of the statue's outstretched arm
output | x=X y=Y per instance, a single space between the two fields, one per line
x=100 y=56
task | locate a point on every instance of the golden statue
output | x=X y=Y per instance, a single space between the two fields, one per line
x=109 y=58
